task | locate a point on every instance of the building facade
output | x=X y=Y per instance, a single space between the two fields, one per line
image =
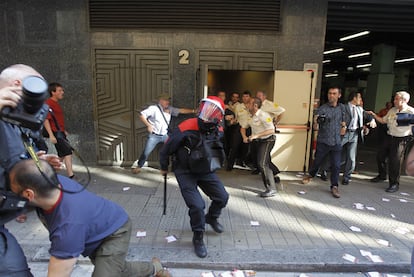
x=111 y=69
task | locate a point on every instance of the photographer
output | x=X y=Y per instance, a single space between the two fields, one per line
x=397 y=140
x=79 y=223
x=331 y=121
x=12 y=259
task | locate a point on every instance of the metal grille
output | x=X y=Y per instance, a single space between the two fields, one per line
x=227 y=15
x=378 y=16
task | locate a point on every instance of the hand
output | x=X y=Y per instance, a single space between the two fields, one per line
x=164 y=172
x=10 y=96
x=365 y=130
x=372 y=123
x=253 y=137
x=245 y=139
x=149 y=129
x=52 y=159
x=53 y=139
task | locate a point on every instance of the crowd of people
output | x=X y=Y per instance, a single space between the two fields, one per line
x=224 y=132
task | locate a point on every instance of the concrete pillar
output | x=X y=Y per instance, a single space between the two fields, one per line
x=380 y=85
x=402 y=75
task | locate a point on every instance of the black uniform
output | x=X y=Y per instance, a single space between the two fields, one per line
x=179 y=145
x=12 y=260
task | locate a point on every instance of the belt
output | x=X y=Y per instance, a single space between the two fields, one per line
x=157 y=134
x=404 y=137
x=270 y=138
x=352 y=130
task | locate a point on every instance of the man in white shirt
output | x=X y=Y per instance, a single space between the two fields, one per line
x=399 y=137
x=263 y=138
x=276 y=113
x=157 y=119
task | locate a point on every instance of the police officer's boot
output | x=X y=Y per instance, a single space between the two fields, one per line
x=199 y=247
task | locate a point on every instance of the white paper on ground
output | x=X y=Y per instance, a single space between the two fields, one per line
x=350 y=258
x=141 y=233
x=383 y=242
x=170 y=239
x=355 y=229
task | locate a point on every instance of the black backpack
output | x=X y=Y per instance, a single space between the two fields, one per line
x=205 y=153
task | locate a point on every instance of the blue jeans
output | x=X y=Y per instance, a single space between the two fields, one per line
x=334 y=152
x=152 y=141
x=349 y=148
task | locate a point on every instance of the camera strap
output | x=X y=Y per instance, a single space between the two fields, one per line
x=29 y=148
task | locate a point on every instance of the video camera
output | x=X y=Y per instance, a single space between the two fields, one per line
x=31 y=112
x=322 y=118
x=405 y=119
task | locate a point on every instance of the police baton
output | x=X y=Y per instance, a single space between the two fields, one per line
x=165 y=194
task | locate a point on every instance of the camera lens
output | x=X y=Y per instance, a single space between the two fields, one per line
x=34 y=93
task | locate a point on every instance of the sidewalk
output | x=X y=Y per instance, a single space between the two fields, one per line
x=302 y=229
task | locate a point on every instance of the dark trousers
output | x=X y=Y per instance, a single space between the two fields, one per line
x=12 y=260
x=264 y=161
x=234 y=145
x=382 y=156
x=211 y=185
x=334 y=152
x=398 y=146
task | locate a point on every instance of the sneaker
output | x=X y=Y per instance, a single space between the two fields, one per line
x=335 y=192
x=306 y=179
x=267 y=193
x=136 y=170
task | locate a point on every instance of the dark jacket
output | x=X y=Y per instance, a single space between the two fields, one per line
x=183 y=138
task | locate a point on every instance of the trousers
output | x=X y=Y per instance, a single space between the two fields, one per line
x=109 y=257
x=264 y=161
x=334 y=152
x=211 y=185
x=152 y=141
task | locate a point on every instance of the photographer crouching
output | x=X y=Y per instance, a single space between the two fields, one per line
x=14 y=120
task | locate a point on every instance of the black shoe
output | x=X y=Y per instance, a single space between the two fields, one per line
x=345 y=182
x=255 y=172
x=199 y=247
x=392 y=188
x=277 y=179
x=217 y=227
x=324 y=176
x=267 y=193
x=378 y=179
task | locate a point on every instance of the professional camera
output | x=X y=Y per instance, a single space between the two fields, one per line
x=31 y=111
x=322 y=119
x=405 y=119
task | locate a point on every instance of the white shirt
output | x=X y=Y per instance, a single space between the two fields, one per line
x=272 y=108
x=261 y=121
x=391 y=119
x=154 y=116
x=242 y=114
